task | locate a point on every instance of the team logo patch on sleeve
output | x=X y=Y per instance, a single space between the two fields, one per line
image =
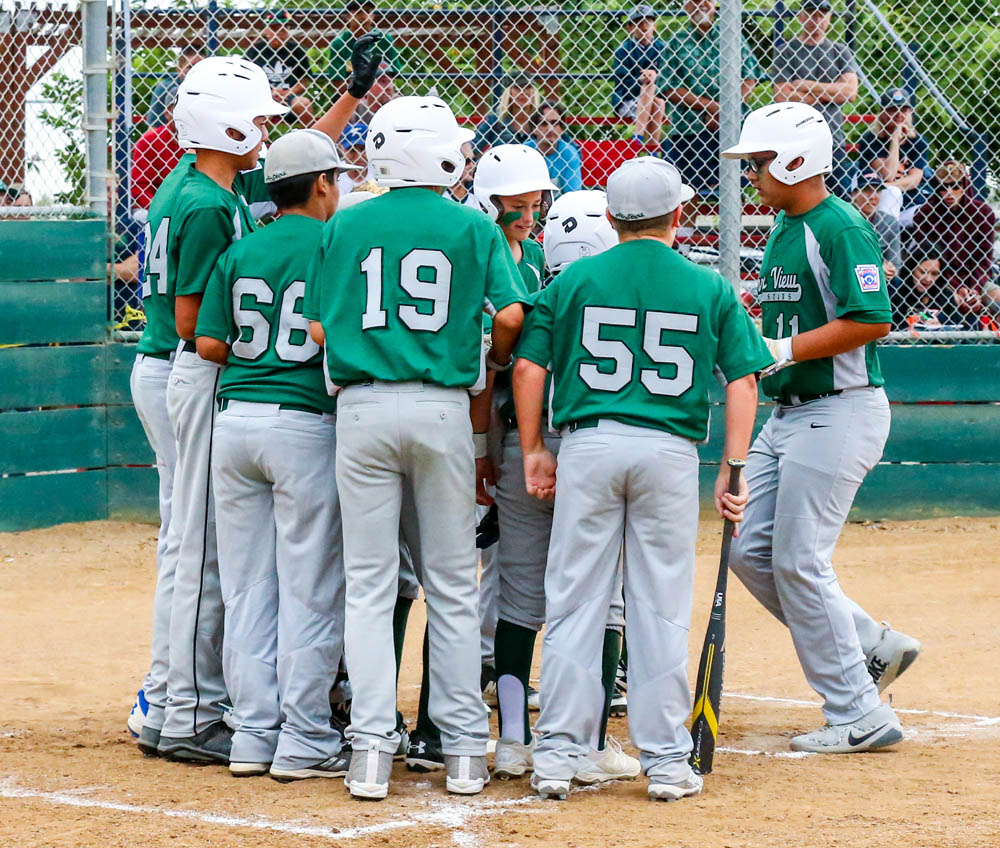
x=867 y=277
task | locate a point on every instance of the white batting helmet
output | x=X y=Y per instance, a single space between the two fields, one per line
x=510 y=169
x=791 y=130
x=223 y=93
x=577 y=227
x=416 y=141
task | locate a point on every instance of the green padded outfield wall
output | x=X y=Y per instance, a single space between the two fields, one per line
x=72 y=449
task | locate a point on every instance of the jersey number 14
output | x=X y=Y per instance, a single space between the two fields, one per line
x=655 y=323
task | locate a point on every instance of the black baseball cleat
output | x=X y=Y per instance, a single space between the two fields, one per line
x=148 y=741
x=210 y=747
x=424 y=754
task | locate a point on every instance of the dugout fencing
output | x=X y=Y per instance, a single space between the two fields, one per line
x=86 y=87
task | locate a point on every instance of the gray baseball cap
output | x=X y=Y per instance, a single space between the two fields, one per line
x=646 y=187
x=303 y=152
x=641 y=12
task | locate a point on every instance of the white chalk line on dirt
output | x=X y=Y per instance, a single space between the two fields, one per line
x=797 y=702
x=450 y=815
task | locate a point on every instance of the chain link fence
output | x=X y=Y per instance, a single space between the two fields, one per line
x=911 y=90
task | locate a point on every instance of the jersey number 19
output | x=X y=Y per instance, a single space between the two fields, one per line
x=437 y=291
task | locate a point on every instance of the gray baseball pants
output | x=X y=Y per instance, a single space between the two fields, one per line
x=148 y=383
x=282 y=575
x=391 y=435
x=196 y=687
x=803 y=471
x=617 y=484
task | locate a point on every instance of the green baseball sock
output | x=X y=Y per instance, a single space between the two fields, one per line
x=609 y=666
x=513 y=648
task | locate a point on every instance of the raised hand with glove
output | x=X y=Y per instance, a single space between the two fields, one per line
x=365 y=60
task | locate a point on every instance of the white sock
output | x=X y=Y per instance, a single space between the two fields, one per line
x=511 y=695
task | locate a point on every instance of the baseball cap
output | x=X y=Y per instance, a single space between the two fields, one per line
x=646 y=187
x=897 y=98
x=814 y=5
x=277 y=16
x=867 y=179
x=11 y=190
x=641 y=12
x=354 y=135
x=302 y=152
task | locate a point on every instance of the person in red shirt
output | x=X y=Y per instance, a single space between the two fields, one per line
x=963 y=226
x=155 y=155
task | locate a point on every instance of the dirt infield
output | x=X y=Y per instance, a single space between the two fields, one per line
x=74 y=624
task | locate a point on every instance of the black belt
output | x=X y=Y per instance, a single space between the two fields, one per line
x=190 y=346
x=800 y=399
x=583 y=424
x=158 y=355
x=295 y=407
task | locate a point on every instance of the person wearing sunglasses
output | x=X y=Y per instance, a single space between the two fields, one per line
x=960 y=223
x=824 y=303
x=461 y=192
x=561 y=155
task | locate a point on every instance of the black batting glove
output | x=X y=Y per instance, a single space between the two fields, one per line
x=365 y=60
x=488 y=531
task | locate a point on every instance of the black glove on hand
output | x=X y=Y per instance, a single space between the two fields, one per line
x=365 y=60
x=488 y=531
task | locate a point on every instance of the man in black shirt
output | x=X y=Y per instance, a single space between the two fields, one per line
x=286 y=64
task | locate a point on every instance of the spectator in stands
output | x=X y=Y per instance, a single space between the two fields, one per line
x=165 y=92
x=691 y=84
x=812 y=69
x=360 y=19
x=927 y=299
x=880 y=205
x=897 y=151
x=155 y=155
x=514 y=118
x=561 y=155
x=461 y=192
x=963 y=226
x=637 y=64
x=286 y=64
x=382 y=91
x=11 y=195
x=352 y=144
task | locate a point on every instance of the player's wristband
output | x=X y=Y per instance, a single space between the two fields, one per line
x=493 y=365
x=479 y=443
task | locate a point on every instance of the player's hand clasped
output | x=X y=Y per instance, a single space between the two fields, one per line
x=365 y=61
x=781 y=350
x=730 y=506
x=540 y=474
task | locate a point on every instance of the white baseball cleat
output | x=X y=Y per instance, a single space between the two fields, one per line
x=466 y=775
x=513 y=758
x=137 y=717
x=550 y=789
x=249 y=769
x=894 y=653
x=879 y=729
x=610 y=764
x=368 y=776
x=534 y=699
x=660 y=789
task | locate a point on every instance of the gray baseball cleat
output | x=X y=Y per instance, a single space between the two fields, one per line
x=148 y=741
x=891 y=656
x=466 y=775
x=549 y=788
x=211 y=746
x=879 y=729
x=336 y=766
x=368 y=776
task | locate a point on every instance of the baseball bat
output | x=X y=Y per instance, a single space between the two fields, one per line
x=708 y=690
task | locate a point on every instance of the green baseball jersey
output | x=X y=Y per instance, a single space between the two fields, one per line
x=819 y=266
x=399 y=284
x=532 y=270
x=634 y=334
x=192 y=220
x=342 y=47
x=254 y=301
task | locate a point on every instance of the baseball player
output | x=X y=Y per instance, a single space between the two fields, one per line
x=576 y=226
x=200 y=209
x=277 y=517
x=632 y=337
x=397 y=292
x=824 y=303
